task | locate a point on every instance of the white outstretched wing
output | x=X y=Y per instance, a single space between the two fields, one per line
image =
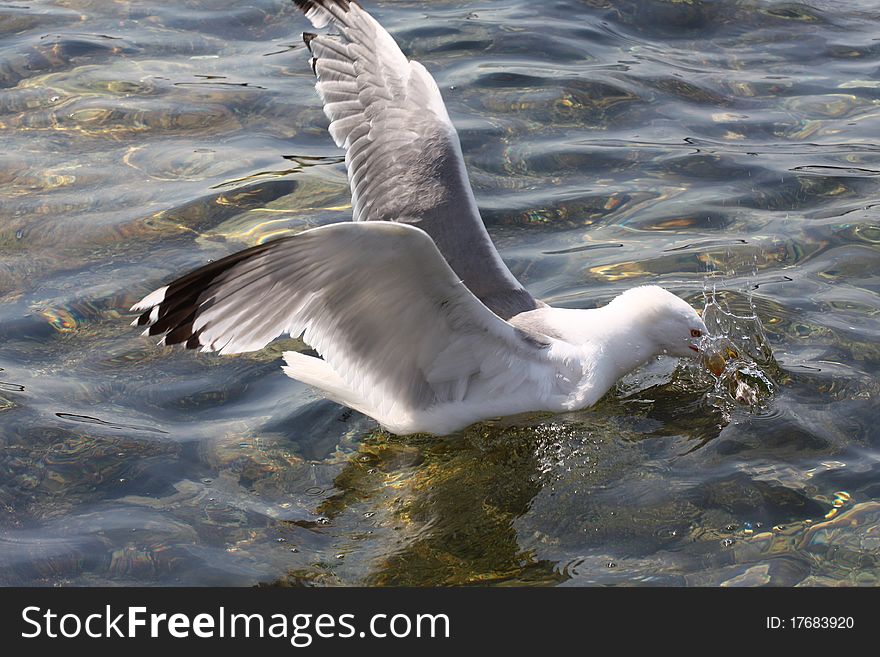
x=376 y=300
x=403 y=154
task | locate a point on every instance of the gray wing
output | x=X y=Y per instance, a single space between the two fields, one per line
x=376 y=300
x=403 y=154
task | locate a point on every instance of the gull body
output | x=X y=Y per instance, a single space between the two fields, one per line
x=417 y=320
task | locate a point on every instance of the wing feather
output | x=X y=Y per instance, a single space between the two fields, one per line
x=376 y=300
x=402 y=151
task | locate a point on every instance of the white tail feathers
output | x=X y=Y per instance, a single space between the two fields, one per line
x=316 y=372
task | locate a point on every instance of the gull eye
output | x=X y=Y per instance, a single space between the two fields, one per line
x=695 y=333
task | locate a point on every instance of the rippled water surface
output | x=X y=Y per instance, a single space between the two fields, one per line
x=703 y=145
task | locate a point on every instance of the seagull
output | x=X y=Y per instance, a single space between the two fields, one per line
x=417 y=321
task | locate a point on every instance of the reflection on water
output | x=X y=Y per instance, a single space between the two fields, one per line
x=724 y=150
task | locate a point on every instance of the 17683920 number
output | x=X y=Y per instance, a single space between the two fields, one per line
x=810 y=623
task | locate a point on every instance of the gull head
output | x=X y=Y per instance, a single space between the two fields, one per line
x=671 y=325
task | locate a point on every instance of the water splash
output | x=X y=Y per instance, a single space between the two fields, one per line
x=737 y=361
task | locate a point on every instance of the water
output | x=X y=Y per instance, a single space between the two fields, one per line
x=706 y=146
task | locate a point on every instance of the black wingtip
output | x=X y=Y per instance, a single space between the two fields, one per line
x=308 y=37
x=184 y=299
x=305 y=6
x=193 y=341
